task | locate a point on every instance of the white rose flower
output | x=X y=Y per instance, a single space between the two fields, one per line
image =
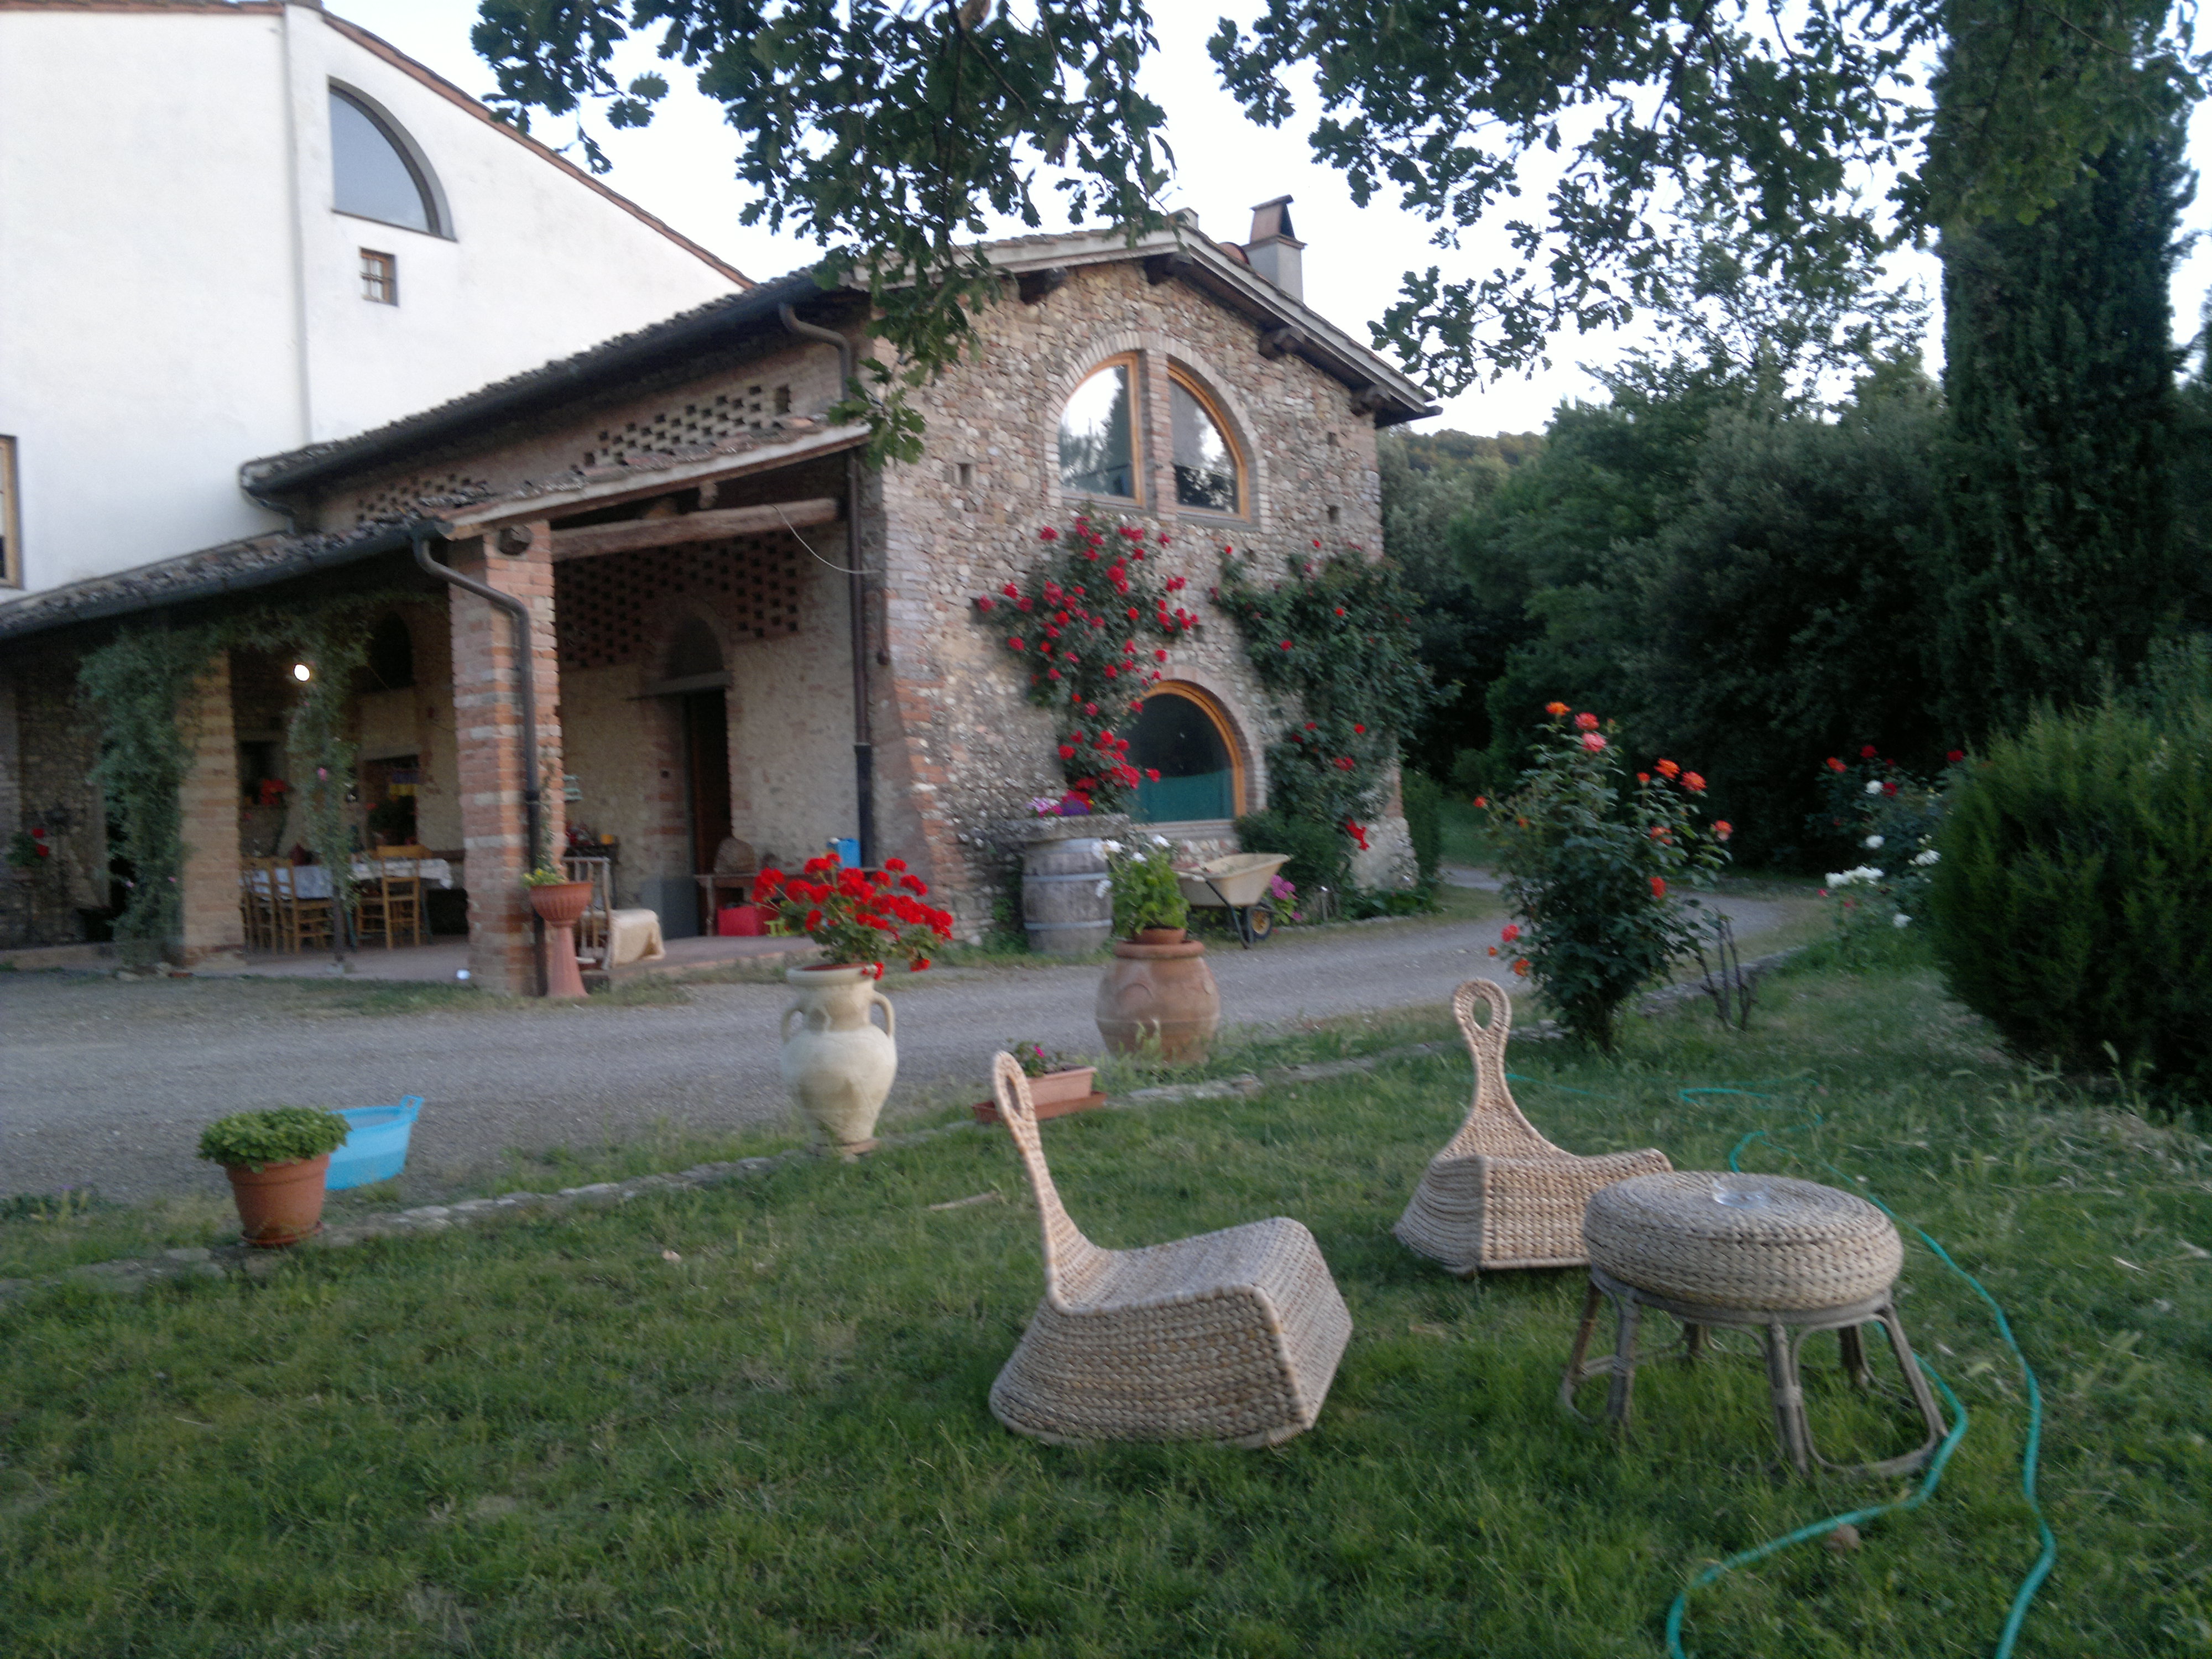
x=1865 y=876
x=1923 y=860
x=1161 y=840
x=1112 y=845
x=1873 y=786
x=1871 y=842
x=1900 y=920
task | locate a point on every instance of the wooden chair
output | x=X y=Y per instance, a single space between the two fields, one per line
x=1499 y=1194
x=1231 y=1336
x=595 y=928
x=298 y=923
x=389 y=900
x=256 y=907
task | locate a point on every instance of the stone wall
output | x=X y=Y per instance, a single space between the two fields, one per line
x=965 y=519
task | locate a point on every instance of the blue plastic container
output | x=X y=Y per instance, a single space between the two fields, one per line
x=377 y=1148
x=847 y=849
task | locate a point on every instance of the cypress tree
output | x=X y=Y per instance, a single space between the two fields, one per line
x=2059 y=546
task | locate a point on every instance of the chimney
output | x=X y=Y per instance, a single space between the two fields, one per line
x=1274 y=251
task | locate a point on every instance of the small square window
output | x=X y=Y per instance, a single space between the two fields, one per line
x=379 y=277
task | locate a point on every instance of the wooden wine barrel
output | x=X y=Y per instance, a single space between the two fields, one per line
x=1067 y=899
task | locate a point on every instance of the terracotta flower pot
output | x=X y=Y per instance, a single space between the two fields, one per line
x=560 y=904
x=837 y=1065
x=280 y=1204
x=1054 y=1094
x=1159 y=993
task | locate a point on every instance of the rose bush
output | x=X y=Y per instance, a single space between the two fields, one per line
x=1092 y=625
x=1591 y=859
x=866 y=916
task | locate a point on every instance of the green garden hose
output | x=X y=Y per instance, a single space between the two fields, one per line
x=2030 y=1454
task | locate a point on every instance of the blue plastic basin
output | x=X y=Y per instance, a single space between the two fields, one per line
x=377 y=1148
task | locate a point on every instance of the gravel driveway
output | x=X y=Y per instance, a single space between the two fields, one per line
x=108 y=1082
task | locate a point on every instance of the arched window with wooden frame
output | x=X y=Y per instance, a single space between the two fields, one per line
x=1184 y=734
x=1210 y=473
x=1099 y=450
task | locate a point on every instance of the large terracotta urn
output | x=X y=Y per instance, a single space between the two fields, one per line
x=1159 y=996
x=837 y=1064
x=560 y=904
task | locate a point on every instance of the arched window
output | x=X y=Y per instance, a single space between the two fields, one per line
x=1183 y=737
x=1098 y=438
x=694 y=651
x=375 y=173
x=1208 y=471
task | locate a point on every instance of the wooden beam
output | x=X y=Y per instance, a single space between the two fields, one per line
x=635 y=534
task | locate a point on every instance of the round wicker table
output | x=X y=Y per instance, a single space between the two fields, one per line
x=1764 y=1253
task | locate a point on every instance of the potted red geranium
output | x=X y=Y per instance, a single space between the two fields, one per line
x=838 y=1065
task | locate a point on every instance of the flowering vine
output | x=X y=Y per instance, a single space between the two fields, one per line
x=1092 y=624
x=1335 y=633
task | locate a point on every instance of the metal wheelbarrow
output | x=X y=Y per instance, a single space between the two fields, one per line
x=1238 y=883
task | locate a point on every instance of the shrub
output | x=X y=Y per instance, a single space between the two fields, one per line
x=282 y=1134
x=1589 y=859
x=1319 y=855
x=1424 y=823
x=2073 y=903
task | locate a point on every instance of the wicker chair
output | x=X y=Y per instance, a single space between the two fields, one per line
x=1499 y=1194
x=1231 y=1336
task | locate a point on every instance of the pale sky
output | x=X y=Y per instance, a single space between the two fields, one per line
x=682 y=168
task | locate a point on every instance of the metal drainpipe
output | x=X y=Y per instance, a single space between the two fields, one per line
x=864 y=747
x=526 y=677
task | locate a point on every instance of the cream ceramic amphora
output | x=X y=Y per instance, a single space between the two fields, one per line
x=837 y=1064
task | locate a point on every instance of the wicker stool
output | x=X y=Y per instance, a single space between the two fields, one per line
x=1762 y=1253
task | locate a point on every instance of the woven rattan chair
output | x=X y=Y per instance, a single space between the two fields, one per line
x=1231 y=1336
x=1499 y=1194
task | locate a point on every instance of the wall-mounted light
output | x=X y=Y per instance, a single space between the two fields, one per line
x=301 y=672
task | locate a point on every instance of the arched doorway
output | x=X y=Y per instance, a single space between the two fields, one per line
x=1185 y=736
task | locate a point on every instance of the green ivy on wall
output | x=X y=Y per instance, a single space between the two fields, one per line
x=136 y=684
x=1335 y=635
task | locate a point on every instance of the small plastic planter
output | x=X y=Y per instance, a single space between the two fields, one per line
x=377 y=1148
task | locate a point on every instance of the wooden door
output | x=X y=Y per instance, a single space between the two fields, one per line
x=707 y=775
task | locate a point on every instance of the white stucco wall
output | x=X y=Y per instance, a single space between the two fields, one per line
x=178 y=294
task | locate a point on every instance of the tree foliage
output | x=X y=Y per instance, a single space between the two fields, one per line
x=1701 y=151
x=2061 y=559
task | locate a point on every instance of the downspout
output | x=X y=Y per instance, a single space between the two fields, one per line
x=526 y=678
x=864 y=747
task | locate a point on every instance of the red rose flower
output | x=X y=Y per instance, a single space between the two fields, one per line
x=1954 y=756
x=1153 y=773
x=1658 y=887
x=1723 y=829
x=1555 y=709
x=1508 y=933
x=1592 y=742
x=1586 y=722
x=1693 y=783
x=1047 y=534
x=1867 y=752
x=1669 y=770
x=1835 y=765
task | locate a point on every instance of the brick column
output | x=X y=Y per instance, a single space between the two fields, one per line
x=488 y=724
x=208 y=800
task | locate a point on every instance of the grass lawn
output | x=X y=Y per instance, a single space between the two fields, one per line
x=550 y=1438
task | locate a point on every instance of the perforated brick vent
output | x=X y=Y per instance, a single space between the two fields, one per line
x=723 y=415
x=396 y=500
x=611 y=608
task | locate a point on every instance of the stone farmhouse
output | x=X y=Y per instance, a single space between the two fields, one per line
x=736 y=625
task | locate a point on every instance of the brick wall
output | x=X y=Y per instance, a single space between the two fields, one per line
x=490 y=768
x=213 y=928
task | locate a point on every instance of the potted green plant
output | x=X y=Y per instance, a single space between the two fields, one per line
x=276 y=1160
x=1058 y=1083
x=838 y=1065
x=1157 y=996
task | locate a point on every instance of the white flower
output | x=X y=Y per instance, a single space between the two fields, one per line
x=1865 y=875
x=1112 y=845
x=1900 y=920
x=1162 y=841
x=1871 y=842
x=1923 y=860
x=1873 y=786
